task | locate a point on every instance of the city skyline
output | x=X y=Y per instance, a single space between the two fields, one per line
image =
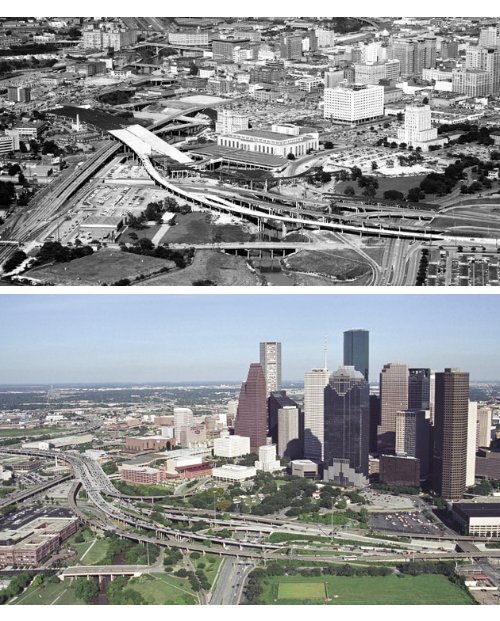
x=89 y=338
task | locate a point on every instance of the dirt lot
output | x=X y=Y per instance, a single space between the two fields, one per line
x=344 y=265
x=197 y=228
x=219 y=268
x=103 y=267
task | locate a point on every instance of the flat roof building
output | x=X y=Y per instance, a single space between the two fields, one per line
x=233 y=472
x=231 y=446
x=354 y=103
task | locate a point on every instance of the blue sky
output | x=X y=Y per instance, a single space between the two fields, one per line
x=146 y=338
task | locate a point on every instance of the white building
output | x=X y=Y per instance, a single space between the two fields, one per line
x=229 y=121
x=188 y=38
x=314 y=391
x=231 y=446
x=7 y=144
x=326 y=38
x=470 y=468
x=267 y=461
x=281 y=140
x=308 y=83
x=354 y=103
x=270 y=361
x=484 y=423
x=183 y=417
x=417 y=130
x=233 y=472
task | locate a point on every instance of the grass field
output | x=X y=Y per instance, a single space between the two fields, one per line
x=59 y=594
x=370 y=590
x=401 y=184
x=39 y=431
x=220 y=268
x=211 y=562
x=91 y=552
x=197 y=228
x=345 y=265
x=162 y=589
x=301 y=590
x=103 y=267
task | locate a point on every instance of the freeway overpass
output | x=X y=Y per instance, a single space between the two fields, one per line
x=100 y=571
x=13 y=499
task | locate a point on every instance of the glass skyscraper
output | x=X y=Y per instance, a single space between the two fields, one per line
x=356 y=351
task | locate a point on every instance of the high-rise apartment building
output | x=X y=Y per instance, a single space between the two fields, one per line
x=413 y=437
x=251 y=417
x=357 y=351
x=419 y=389
x=314 y=399
x=393 y=399
x=450 y=433
x=346 y=427
x=354 y=103
x=270 y=360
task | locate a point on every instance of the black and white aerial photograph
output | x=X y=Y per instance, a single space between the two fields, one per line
x=250 y=151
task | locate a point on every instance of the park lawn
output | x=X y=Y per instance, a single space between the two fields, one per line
x=48 y=593
x=372 y=590
x=96 y=553
x=212 y=562
x=301 y=590
x=38 y=431
x=162 y=589
x=343 y=264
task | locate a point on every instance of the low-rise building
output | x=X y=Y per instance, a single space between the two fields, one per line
x=231 y=446
x=233 y=472
x=304 y=468
x=478 y=519
x=139 y=444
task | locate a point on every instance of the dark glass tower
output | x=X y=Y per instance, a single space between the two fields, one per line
x=347 y=424
x=419 y=389
x=356 y=351
x=450 y=434
x=251 y=417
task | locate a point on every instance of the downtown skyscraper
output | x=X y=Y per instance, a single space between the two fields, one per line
x=314 y=399
x=270 y=361
x=450 y=433
x=251 y=417
x=347 y=427
x=393 y=399
x=357 y=351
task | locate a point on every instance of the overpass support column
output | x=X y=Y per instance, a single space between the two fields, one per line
x=283 y=230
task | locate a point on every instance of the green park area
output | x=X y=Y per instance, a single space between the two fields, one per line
x=37 y=431
x=208 y=565
x=370 y=590
x=54 y=592
x=162 y=589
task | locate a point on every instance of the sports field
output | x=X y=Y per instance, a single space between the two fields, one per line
x=369 y=590
x=301 y=590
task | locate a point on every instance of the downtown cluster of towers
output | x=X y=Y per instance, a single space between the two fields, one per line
x=418 y=428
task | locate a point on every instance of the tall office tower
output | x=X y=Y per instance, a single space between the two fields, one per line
x=347 y=427
x=490 y=36
x=414 y=55
x=183 y=418
x=333 y=77
x=450 y=433
x=470 y=466
x=484 y=424
x=270 y=361
x=289 y=432
x=314 y=398
x=413 y=437
x=19 y=93
x=419 y=389
x=251 y=418
x=291 y=47
x=393 y=399
x=276 y=400
x=432 y=395
x=471 y=82
x=357 y=351
x=485 y=59
x=403 y=51
x=374 y=421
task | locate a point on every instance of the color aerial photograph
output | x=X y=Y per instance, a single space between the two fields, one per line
x=154 y=453
x=250 y=151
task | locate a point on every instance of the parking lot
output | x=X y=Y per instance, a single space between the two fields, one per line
x=404 y=523
x=379 y=500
